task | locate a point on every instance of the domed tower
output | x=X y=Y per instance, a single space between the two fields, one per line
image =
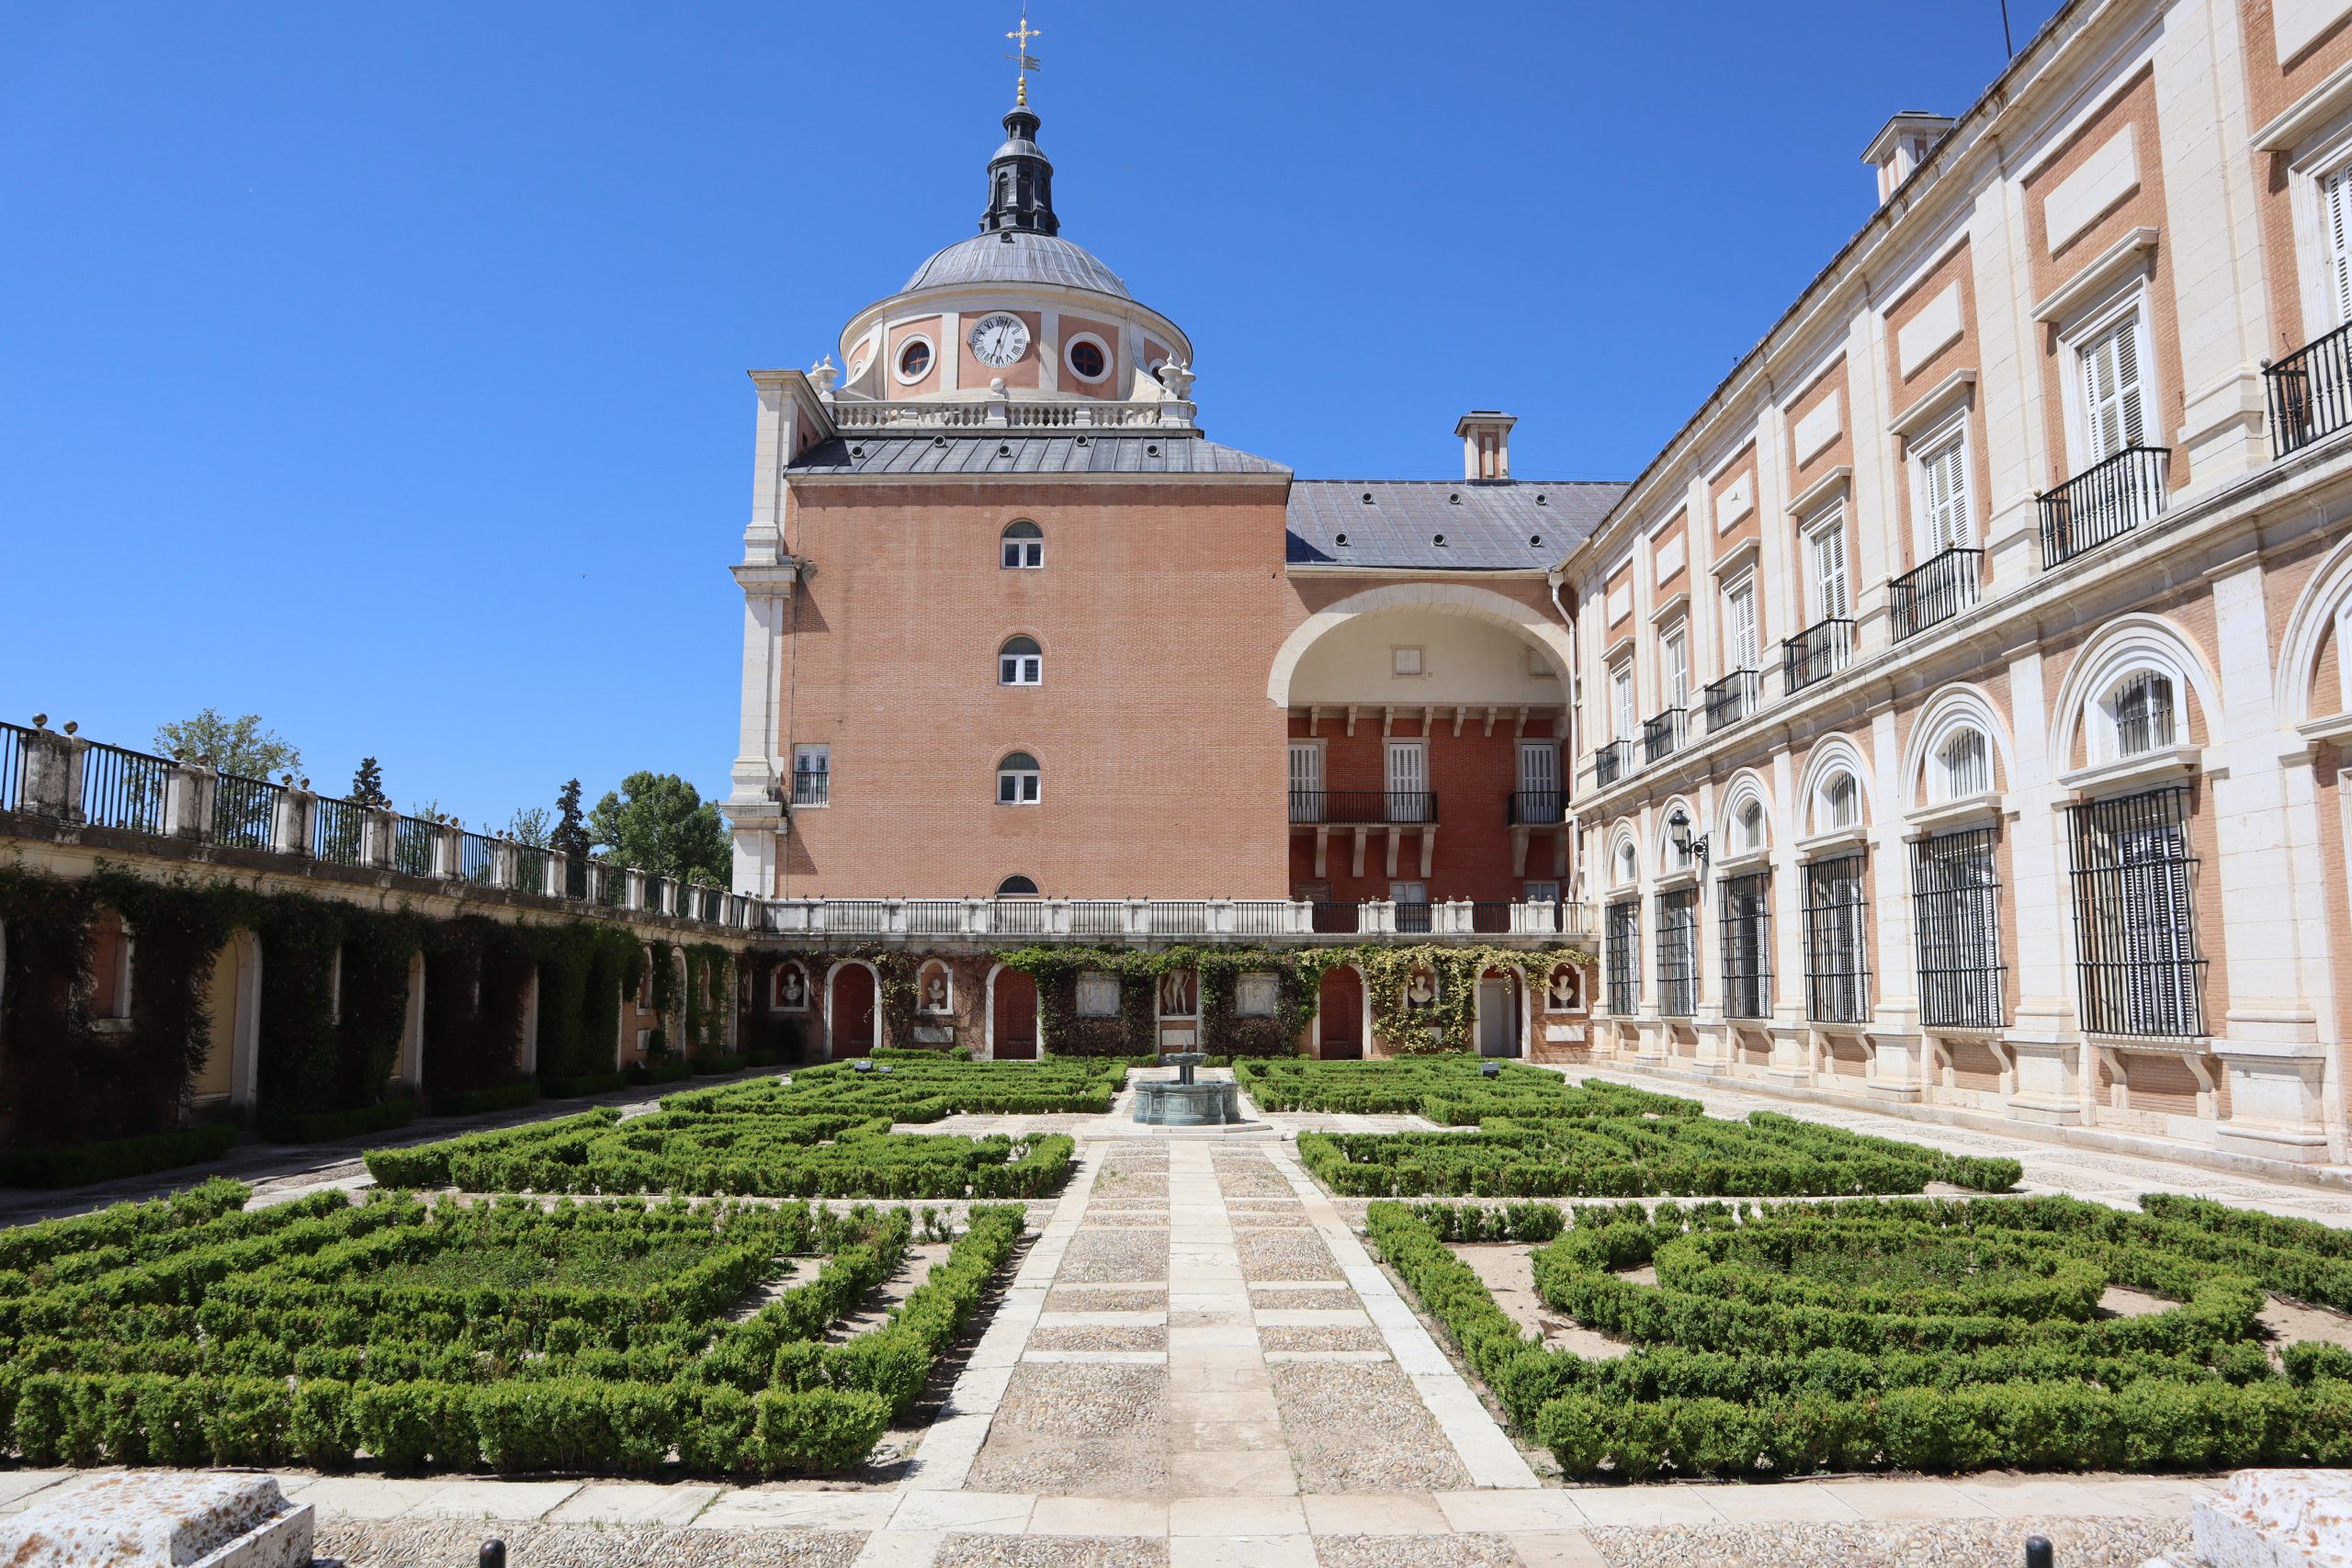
x=1013 y=318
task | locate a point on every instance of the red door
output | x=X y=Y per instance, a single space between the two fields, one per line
x=1342 y=1005
x=852 y=1011
x=1016 y=1016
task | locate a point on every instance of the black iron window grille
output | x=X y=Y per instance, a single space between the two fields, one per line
x=1956 y=900
x=2135 y=916
x=1934 y=591
x=1746 y=918
x=2103 y=503
x=1836 y=942
x=1677 y=952
x=2311 y=391
x=1733 y=698
x=1622 y=939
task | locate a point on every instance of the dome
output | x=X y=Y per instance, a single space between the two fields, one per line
x=1015 y=256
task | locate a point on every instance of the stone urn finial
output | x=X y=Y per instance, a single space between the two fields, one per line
x=1177 y=377
x=824 y=374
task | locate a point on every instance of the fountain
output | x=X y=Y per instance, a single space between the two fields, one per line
x=1182 y=1101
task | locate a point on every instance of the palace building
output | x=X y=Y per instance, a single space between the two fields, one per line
x=1950 y=715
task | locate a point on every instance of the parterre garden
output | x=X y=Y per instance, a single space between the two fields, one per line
x=536 y=1330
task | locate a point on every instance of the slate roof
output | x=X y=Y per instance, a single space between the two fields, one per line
x=1485 y=527
x=1028 y=452
x=1027 y=258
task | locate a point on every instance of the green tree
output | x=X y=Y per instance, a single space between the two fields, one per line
x=660 y=823
x=233 y=745
x=570 y=831
x=368 y=784
x=528 y=826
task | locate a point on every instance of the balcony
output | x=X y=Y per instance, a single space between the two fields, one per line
x=1536 y=808
x=1934 y=593
x=1242 y=921
x=1363 y=808
x=2311 y=392
x=2102 y=503
x=1816 y=654
x=1611 y=762
x=1662 y=736
x=1736 y=696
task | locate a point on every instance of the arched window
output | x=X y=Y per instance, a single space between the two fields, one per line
x=1963 y=767
x=1747 y=828
x=1840 y=805
x=1020 y=663
x=1629 y=863
x=2143 y=708
x=914 y=361
x=1018 y=779
x=1025 y=548
x=1016 y=887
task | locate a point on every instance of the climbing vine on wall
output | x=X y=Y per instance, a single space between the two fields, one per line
x=1446 y=1023
x=894 y=1000
x=710 y=991
x=477 y=988
x=329 y=1041
x=583 y=970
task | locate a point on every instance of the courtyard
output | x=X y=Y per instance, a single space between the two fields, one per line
x=600 y=1338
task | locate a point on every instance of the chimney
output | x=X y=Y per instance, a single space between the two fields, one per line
x=1486 y=444
x=1902 y=146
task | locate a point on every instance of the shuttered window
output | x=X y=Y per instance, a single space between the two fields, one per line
x=2111 y=396
x=1747 y=946
x=1943 y=485
x=1956 y=903
x=1622 y=938
x=1674 y=668
x=1739 y=611
x=1828 y=547
x=1836 y=951
x=2135 y=916
x=2336 y=201
x=1621 y=702
x=1677 y=952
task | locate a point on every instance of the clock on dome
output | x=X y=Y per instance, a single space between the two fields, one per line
x=1000 y=339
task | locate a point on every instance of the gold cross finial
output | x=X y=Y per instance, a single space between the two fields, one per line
x=1027 y=63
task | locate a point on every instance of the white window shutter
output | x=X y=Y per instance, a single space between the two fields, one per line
x=1829 y=572
x=2335 y=196
x=1742 y=628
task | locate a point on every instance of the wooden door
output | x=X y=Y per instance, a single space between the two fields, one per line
x=1342 y=1015
x=853 y=1011
x=1497 y=1016
x=1016 y=1016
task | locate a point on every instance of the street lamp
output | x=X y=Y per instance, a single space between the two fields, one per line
x=1678 y=833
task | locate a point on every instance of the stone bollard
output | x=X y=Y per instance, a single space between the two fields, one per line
x=2037 y=1552
x=493 y=1555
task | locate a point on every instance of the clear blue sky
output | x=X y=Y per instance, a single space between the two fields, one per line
x=381 y=370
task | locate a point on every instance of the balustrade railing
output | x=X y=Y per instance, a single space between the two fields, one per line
x=1005 y=413
x=1736 y=696
x=1662 y=734
x=1158 y=920
x=1363 y=807
x=2311 y=391
x=1611 y=762
x=530 y=868
x=477 y=857
x=1934 y=591
x=125 y=789
x=1816 y=654
x=1536 y=808
x=12 y=754
x=413 y=839
x=245 y=811
x=2103 y=503
x=338 y=830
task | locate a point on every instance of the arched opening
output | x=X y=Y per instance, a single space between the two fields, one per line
x=1020 y=663
x=1340 y=1014
x=1013 y=1015
x=850 y=1011
x=1016 y=887
x=1963 y=767
x=1498 y=1013
x=1838 y=804
x=1019 y=780
x=1023 y=547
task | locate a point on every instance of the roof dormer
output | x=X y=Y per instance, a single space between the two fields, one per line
x=1902 y=146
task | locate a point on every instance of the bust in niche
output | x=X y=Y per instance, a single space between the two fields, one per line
x=792 y=989
x=1420 y=991
x=935 y=991
x=1561 y=994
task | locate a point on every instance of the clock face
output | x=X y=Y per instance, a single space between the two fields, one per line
x=1000 y=339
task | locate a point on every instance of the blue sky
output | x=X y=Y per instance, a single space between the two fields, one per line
x=381 y=370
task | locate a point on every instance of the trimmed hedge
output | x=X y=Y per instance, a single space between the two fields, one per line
x=327 y=1126
x=581 y=1086
x=474 y=1102
x=80 y=1164
x=668 y=1071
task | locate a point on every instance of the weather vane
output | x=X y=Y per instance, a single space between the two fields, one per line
x=1026 y=60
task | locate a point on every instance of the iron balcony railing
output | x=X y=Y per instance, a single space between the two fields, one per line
x=2103 y=503
x=475 y=857
x=1361 y=807
x=1736 y=696
x=1816 y=654
x=1934 y=591
x=2311 y=391
x=124 y=789
x=413 y=846
x=12 y=757
x=245 y=811
x=1662 y=734
x=812 y=788
x=338 y=830
x=1335 y=918
x=1412 y=917
x=1611 y=762
x=1536 y=808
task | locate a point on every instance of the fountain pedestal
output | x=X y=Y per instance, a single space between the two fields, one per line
x=1182 y=1101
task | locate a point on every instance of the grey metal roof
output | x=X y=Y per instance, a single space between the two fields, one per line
x=1014 y=256
x=1027 y=452
x=1483 y=526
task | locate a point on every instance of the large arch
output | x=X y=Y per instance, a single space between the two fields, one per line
x=1954 y=707
x=1530 y=625
x=1831 y=755
x=2323 y=600
x=1744 y=787
x=2124 y=644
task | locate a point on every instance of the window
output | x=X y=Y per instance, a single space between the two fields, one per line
x=2143 y=713
x=1963 y=767
x=1541 y=892
x=1405 y=661
x=1539 y=666
x=1748 y=945
x=1622 y=938
x=1742 y=641
x=1408 y=782
x=1943 y=495
x=1629 y=863
x=1956 y=898
x=1017 y=780
x=1025 y=548
x=1620 y=701
x=1020 y=663
x=1306 y=782
x=1016 y=887
x=812 y=775
x=1098 y=996
x=2135 y=916
x=2112 y=418
x=1677 y=952
x=1539 y=782
x=1086 y=358
x=1837 y=956
x=1840 y=805
x=2335 y=217
x=1674 y=668
x=1825 y=551
x=1747 y=828
x=914 y=361
x=1412 y=902
x=1256 y=996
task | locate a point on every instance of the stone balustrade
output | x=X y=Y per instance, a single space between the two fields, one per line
x=1214 y=921
x=1007 y=414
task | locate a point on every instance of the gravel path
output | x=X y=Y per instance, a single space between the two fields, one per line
x=1416 y=1552
x=1122 y=1182
x=1096 y=1298
x=1077 y=1430
x=1050 y=1551
x=1121 y=1257
x=1942 y=1543
x=438 y=1544
x=1337 y=1298
x=1096 y=1337
x=1275 y=1336
x=1360 y=1426
x=1284 y=1254
x=1251 y=1179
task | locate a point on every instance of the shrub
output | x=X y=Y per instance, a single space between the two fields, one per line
x=329 y=1126
x=80 y=1164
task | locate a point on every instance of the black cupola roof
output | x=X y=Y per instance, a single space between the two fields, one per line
x=1021 y=182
